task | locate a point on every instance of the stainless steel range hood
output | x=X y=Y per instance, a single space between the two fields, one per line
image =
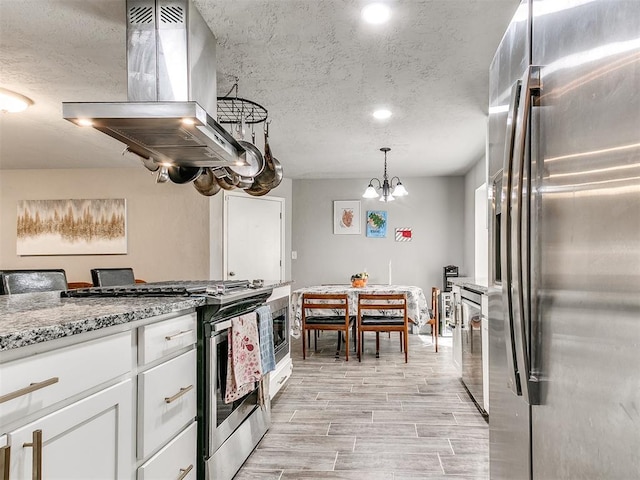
x=169 y=117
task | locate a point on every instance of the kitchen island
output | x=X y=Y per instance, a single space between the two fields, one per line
x=97 y=387
x=106 y=387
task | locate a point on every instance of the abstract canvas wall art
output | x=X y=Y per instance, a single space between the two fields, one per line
x=72 y=227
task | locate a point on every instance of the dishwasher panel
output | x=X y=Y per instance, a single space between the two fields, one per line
x=472 y=333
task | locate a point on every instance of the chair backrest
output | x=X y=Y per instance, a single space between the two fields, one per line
x=435 y=292
x=111 y=277
x=325 y=301
x=382 y=304
x=29 y=281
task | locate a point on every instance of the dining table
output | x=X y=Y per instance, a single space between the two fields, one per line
x=418 y=310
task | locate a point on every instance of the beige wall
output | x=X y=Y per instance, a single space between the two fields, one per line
x=167 y=224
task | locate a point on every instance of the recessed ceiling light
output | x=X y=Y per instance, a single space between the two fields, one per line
x=13 y=102
x=85 y=122
x=382 y=114
x=376 y=13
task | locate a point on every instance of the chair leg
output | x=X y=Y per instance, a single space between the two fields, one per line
x=437 y=336
x=378 y=344
x=406 y=346
x=304 y=346
x=401 y=341
x=346 y=344
x=355 y=338
x=360 y=338
x=339 y=343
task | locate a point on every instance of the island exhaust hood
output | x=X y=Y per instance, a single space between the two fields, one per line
x=169 y=118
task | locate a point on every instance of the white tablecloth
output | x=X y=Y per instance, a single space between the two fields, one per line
x=417 y=307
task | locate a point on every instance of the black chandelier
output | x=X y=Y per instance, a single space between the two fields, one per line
x=385 y=187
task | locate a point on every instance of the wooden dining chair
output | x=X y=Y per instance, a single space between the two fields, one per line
x=435 y=317
x=327 y=311
x=381 y=312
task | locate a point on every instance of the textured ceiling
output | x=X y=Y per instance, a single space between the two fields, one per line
x=312 y=63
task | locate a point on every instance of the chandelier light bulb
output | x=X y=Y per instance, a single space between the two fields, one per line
x=399 y=191
x=370 y=192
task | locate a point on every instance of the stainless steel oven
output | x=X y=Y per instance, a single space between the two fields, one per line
x=228 y=433
x=471 y=326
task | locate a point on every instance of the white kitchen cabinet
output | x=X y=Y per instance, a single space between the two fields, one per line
x=166 y=401
x=88 y=403
x=161 y=339
x=166 y=438
x=90 y=438
x=39 y=381
x=176 y=460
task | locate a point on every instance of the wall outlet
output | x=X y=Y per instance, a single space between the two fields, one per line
x=294 y=255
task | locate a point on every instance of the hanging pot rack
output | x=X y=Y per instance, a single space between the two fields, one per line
x=234 y=109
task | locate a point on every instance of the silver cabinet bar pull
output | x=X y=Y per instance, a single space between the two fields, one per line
x=36 y=459
x=26 y=390
x=178 y=395
x=5 y=461
x=168 y=338
x=185 y=471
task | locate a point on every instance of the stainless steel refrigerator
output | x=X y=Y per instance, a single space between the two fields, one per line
x=563 y=156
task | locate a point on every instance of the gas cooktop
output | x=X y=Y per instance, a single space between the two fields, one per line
x=216 y=291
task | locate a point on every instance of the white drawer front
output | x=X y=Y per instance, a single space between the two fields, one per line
x=176 y=460
x=50 y=377
x=160 y=339
x=280 y=375
x=166 y=402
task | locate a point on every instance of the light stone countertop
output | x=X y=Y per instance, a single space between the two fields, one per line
x=30 y=318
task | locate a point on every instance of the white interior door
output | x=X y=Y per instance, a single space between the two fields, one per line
x=254 y=238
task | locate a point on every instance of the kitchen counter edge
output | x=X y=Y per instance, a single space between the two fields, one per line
x=468 y=282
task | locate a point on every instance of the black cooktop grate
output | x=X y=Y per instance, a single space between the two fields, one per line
x=162 y=289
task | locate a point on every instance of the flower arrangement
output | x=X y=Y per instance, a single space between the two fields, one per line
x=359 y=280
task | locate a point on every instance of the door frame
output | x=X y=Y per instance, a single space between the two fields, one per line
x=225 y=229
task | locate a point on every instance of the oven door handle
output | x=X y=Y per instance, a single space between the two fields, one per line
x=221 y=326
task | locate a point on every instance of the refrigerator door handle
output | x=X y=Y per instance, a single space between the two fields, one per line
x=513 y=378
x=520 y=228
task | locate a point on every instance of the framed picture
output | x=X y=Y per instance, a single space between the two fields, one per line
x=72 y=227
x=346 y=217
x=376 y=223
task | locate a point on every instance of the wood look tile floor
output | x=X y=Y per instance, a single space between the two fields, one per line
x=380 y=419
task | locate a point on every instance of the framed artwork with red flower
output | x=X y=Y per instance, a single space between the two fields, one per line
x=346 y=217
